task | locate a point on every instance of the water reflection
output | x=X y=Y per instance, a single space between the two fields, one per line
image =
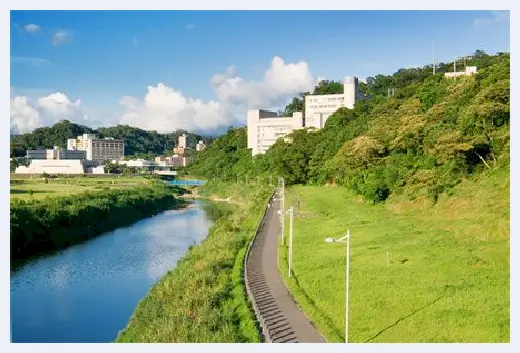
x=88 y=292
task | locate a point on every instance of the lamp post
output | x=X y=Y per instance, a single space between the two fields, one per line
x=345 y=239
x=290 y=211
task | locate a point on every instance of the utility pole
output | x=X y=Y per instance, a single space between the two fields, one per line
x=434 y=58
x=291 y=216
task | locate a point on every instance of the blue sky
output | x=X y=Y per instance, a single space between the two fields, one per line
x=101 y=56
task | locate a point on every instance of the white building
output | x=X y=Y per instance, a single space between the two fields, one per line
x=318 y=108
x=56 y=153
x=98 y=149
x=59 y=166
x=182 y=141
x=265 y=127
x=470 y=70
x=138 y=163
x=200 y=146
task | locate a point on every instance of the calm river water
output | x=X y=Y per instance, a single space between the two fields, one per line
x=88 y=292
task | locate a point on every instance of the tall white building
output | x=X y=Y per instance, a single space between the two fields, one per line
x=182 y=141
x=318 y=108
x=98 y=149
x=265 y=127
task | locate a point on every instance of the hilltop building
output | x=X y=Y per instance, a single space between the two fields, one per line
x=265 y=127
x=200 y=146
x=98 y=149
x=470 y=70
x=183 y=141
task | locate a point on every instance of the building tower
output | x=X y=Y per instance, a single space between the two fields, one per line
x=350 y=91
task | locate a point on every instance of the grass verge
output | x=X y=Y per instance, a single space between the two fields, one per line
x=204 y=299
x=419 y=272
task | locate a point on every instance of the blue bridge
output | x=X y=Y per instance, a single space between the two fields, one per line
x=185 y=182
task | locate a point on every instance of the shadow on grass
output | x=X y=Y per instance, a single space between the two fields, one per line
x=23 y=191
x=404 y=318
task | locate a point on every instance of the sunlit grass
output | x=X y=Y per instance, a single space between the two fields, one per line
x=203 y=299
x=37 y=188
x=446 y=277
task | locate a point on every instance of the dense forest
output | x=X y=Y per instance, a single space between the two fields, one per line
x=138 y=142
x=422 y=140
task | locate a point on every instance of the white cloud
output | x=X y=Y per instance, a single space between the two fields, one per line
x=32 y=28
x=495 y=18
x=61 y=37
x=190 y=26
x=165 y=108
x=27 y=116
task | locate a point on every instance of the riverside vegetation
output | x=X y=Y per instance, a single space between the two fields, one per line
x=423 y=175
x=42 y=225
x=203 y=299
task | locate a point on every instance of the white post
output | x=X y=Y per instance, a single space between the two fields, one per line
x=291 y=212
x=347 y=285
x=282 y=205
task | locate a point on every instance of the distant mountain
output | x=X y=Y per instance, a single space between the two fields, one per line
x=137 y=141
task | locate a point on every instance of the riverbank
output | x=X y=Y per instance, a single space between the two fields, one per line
x=203 y=299
x=419 y=272
x=45 y=225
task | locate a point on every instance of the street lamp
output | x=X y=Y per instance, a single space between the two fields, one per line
x=290 y=211
x=345 y=239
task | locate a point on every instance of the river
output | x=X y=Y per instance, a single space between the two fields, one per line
x=88 y=292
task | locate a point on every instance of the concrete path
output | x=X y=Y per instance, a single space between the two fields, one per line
x=281 y=319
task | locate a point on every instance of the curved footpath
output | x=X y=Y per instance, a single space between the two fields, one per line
x=278 y=314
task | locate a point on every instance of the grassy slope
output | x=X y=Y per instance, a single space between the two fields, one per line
x=203 y=299
x=448 y=274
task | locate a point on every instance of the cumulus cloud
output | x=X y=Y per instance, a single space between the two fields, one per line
x=27 y=116
x=31 y=28
x=495 y=18
x=165 y=109
x=61 y=37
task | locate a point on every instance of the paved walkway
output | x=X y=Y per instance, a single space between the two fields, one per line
x=276 y=310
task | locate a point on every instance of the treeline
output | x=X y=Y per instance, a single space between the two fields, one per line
x=423 y=140
x=138 y=142
x=41 y=226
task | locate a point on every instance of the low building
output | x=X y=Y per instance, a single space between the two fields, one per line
x=265 y=127
x=200 y=146
x=56 y=153
x=469 y=71
x=138 y=163
x=59 y=166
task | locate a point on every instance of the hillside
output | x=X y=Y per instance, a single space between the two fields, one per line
x=430 y=135
x=137 y=141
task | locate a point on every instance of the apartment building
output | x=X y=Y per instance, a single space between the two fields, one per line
x=318 y=108
x=98 y=149
x=265 y=127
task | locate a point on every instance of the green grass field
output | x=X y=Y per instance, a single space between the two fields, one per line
x=21 y=188
x=446 y=278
